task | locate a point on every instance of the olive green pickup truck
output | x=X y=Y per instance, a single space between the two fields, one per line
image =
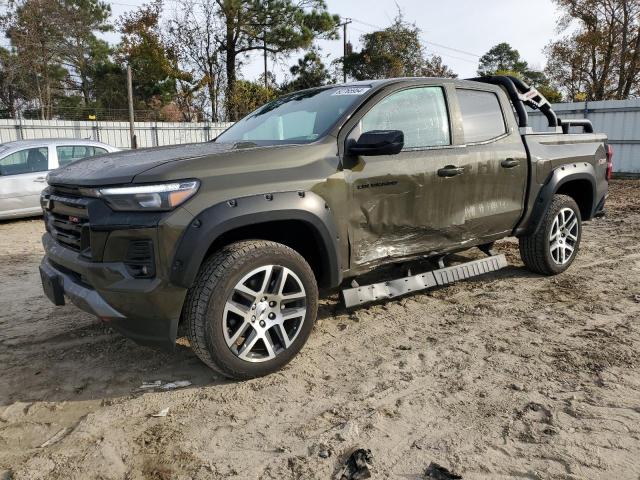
x=235 y=237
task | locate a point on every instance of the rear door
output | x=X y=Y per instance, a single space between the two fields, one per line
x=496 y=178
x=22 y=178
x=403 y=205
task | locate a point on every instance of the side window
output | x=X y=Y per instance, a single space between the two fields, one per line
x=421 y=114
x=71 y=153
x=25 y=161
x=99 y=151
x=482 y=117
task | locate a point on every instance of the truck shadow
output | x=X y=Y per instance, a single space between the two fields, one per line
x=89 y=361
x=61 y=354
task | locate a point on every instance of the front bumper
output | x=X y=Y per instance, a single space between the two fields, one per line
x=145 y=310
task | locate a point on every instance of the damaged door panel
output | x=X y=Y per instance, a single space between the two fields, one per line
x=412 y=202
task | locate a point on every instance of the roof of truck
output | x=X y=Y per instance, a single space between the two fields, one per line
x=388 y=81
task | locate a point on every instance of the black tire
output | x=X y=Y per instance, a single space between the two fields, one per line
x=216 y=280
x=535 y=249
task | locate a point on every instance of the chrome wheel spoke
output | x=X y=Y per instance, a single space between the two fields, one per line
x=289 y=313
x=268 y=342
x=282 y=280
x=241 y=329
x=268 y=271
x=248 y=292
x=236 y=308
x=248 y=344
x=282 y=335
x=555 y=229
x=293 y=296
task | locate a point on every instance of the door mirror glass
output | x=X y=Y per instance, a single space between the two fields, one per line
x=378 y=142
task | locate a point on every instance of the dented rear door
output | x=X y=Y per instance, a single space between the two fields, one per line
x=496 y=171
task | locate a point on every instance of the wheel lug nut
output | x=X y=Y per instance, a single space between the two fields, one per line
x=262 y=323
x=272 y=316
x=264 y=299
x=253 y=318
x=253 y=307
x=272 y=304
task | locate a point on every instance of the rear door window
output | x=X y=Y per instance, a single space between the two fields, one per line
x=71 y=153
x=482 y=116
x=29 y=160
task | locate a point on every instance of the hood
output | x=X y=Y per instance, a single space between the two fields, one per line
x=122 y=167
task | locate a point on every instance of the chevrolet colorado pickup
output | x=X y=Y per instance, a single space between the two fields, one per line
x=235 y=237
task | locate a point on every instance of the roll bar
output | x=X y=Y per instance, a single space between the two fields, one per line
x=522 y=95
x=578 y=122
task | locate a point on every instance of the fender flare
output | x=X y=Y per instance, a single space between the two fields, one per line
x=213 y=222
x=555 y=180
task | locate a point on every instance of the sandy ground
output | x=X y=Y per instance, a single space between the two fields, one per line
x=509 y=376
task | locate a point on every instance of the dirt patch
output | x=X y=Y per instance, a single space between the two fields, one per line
x=509 y=375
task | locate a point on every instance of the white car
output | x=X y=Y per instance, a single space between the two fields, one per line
x=24 y=165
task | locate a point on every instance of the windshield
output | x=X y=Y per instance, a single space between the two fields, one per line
x=301 y=117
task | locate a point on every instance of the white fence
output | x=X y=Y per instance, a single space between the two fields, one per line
x=619 y=119
x=148 y=134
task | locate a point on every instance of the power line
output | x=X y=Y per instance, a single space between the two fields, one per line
x=428 y=47
x=464 y=52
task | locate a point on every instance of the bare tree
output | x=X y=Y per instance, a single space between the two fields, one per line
x=193 y=32
x=600 y=59
x=33 y=27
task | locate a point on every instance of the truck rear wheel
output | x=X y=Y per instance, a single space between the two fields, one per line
x=554 y=246
x=251 y=309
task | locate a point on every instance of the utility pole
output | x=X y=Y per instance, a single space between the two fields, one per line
x=264 y=39
x=344 y=24
x=132 y=133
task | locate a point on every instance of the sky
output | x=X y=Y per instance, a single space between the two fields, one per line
x=460 y=31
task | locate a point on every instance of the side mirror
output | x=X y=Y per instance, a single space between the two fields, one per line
x=378 y=142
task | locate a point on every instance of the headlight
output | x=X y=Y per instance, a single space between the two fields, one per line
x=163 y=196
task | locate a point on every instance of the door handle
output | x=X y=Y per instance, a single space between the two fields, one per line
x=510 y=163
x=450 y=171
x=40 y=179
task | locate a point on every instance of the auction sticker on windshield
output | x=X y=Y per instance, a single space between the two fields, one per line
x=351 y=90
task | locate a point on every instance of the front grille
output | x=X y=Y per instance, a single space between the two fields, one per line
x=67 y=231
x=67 y=219
x=65 y=191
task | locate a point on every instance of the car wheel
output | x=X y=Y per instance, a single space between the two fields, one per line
x=251 y=309
x=554 y=246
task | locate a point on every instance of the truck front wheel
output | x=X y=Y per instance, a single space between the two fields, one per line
x=554 y=246
x=251 y=309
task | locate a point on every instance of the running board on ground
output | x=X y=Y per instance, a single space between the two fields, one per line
x=414 y=283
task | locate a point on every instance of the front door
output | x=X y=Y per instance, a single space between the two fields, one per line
x=22 y=178
x=404 y=205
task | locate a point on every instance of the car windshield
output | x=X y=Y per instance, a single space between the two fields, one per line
x=301 y=117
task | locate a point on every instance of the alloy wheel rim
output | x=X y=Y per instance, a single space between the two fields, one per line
x=563 y=237
x=264 y=313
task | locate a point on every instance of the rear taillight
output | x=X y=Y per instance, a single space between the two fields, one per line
x=609 y=162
